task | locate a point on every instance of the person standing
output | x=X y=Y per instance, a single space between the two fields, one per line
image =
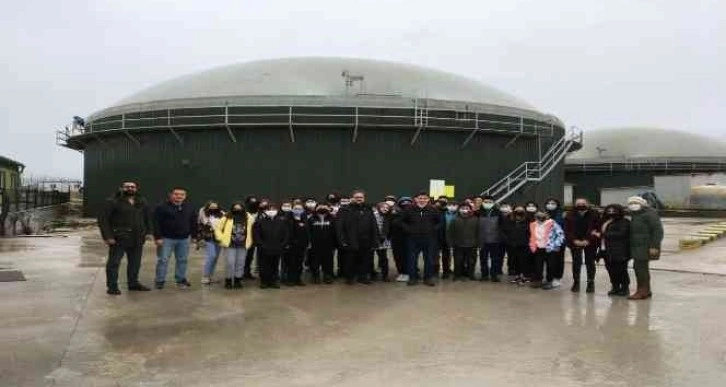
x=383 y=222
x=234 y=234
x=615 y=248
x=516 y=235
x=646 y=236
x=546 y=238
x=176 y=223
x=252 y=205
x=490 y=238
x=449 y=213
x=322 y=244
x=581 y=226
x=298 y=245
x=399 y=239
x=554 y=210
x=462 y=234
x=358 y=236
x=271 y=235
x=421 y=223
x=209 y=217
x=125 y=223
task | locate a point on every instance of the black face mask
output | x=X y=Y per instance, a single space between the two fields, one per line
x=581 y=208
x=263 y=207
x=214 y=212
x=237 y=212
x=322 y=211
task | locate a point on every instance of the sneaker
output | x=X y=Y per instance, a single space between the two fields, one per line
x=547 y=286
x=206 y=280
x=183 y=284
x=138 y=288
x=515 y=280
x=159 y=285
x=402 y=278
x=556 y=283
x=113 y=292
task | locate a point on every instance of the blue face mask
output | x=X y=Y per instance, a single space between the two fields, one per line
x=298 y=211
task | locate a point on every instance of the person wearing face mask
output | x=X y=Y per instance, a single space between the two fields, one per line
x=358 y=236
x=125 y=224
x=546 y=238
x=615 y=248
x=322 y=244
x=383 y=221
x=252 y=205
x=286 y=211
x=490 y=239
x=298 y=244
x=462 y=233
x=234 y=234
x=516 y=235
x=271 y=235
x=581 y=227
x=646 y=236
x=422 y=224
x=399 y=239
x=505 y=209
x=554 y=210
x=450 y=214
x=209 y=217
x=531 y=208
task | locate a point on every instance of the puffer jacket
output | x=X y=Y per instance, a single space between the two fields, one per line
x=646 y=232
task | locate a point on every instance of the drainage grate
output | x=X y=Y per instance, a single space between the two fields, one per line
x=11 y=276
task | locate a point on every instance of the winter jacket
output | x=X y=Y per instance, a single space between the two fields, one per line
x=463 y=232
x=271 y=235
x=646 y=232
x=322 y=232
x=126 y=223
x=356 y=227
x=592 y=223
x=224 y=228
x=616 y=240
x=299 y=235
x=396 y=230
x=175 y=221
x=422 y=222
x=553 y=234
x=383 y=222
x=515 y=232
x=490 y=230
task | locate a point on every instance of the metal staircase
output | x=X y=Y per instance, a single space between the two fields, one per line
x=535 y=171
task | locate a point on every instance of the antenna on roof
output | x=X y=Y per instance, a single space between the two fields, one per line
x=350 y=79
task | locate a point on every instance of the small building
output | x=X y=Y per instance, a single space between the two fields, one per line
x=10 y=173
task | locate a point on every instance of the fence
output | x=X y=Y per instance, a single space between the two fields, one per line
x=18 y=200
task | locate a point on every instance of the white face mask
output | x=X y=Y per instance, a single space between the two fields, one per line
x=488 y=206
x=390 y=203
x=531 y=209
x=635 y=207
x=271 y=213
x=451 y=208
x=310 y=205
x=505 y=209
x=551 y=206
x=286 y=209
x=464 y=211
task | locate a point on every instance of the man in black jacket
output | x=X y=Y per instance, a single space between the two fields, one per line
x=358 y=237
x=421 y=223
x=175 y=222
x=125 y=222
x=271 y=235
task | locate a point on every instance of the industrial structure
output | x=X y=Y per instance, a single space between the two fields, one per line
x=309 y=126
x=10 y=173
x=684 y=170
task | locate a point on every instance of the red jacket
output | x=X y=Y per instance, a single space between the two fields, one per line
x=593 y=224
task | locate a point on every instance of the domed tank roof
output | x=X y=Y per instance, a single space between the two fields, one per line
x=322 y=76
x=633 y=143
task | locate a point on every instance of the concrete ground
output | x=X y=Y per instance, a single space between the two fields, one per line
x=60 y=328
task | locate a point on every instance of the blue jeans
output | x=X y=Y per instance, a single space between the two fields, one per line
x=235 y=262
x=495 y=252
x=211 y=254
x=180 y=248
x=421 y=245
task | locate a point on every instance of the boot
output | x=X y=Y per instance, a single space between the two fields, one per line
x=640 y=294
x=238 y=283
x=575 y=287
x=615 y=290
x=590 y=287
x=228 y=283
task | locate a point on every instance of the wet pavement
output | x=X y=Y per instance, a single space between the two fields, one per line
x=60 y=328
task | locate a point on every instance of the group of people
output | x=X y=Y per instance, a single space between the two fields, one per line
x=288 y=237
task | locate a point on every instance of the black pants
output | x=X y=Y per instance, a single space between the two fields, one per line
x=400 y=254
x=559 y=270
x=248 y=260
x=445 y=263
x=618 y=271
x=293 y=263
x=464 y=261
x=115 y=254
x=358 y=263
x=269 y=267
x=342 y=258
x=383 y=262
x=322 y=257
x=589 y=253
x=520 y=258
x=542 y=258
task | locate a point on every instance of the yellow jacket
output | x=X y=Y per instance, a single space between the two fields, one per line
x=223 y=231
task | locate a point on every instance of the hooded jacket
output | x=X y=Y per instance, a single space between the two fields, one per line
x=646 y=232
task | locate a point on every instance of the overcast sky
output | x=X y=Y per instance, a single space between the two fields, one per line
x=593 y=63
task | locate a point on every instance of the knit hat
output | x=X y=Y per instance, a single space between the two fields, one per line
x=637 y=200
x=405 y=199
